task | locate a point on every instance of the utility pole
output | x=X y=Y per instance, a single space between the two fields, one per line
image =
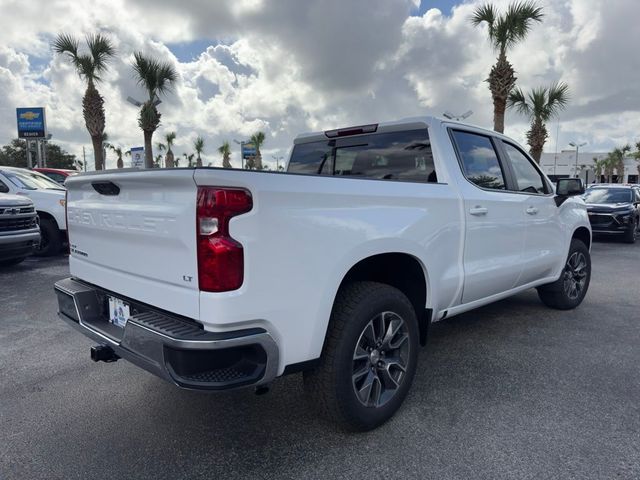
x=577 y=145
x=277 y=159
x=241 y=143
x=84 y=159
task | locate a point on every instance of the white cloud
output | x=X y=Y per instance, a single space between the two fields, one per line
x=287 y=66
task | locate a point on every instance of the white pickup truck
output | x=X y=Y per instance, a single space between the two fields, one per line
x=215 y=279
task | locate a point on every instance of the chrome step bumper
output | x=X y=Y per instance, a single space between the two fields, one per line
x=176 y=349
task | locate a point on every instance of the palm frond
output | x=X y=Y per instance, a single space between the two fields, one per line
x=484 y=13
x=198 y=144
x=155 y=76
x=66 y=43
x=225 y=148
x=166 y=77
x=257 y=139
x=510 y=27
x=557 y=99
x=101 y=50
x=170 y=137
x=518 y=100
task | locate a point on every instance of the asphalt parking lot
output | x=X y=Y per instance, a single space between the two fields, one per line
x=513 y=390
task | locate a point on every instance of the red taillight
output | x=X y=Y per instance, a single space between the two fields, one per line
x=220 y=257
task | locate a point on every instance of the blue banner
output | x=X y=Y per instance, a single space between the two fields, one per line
x=31 y=122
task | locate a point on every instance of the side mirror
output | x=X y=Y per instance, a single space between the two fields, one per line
x=568 y=187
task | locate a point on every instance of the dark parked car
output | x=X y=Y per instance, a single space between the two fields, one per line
x=614 y=210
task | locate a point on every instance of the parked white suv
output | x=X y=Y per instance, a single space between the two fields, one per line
x=49 y=199
x=217 y=278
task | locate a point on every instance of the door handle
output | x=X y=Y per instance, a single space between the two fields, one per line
x=531 y=210
x=478 y=210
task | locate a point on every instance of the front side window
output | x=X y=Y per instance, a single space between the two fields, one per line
x=528 y=179
x=479 y=160
x=3 y=187
x=404 y=156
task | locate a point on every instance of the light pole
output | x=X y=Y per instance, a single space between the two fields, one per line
x=241 y=143
x=577 y=145
x=457 y=118
x=277 y=159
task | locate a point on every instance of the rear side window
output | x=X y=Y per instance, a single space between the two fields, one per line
x=528 y=178
x=3 y=187
x=479 y=160
x=404 y=156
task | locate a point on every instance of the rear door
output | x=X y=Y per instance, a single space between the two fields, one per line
x=134 y=233
x=495 y=229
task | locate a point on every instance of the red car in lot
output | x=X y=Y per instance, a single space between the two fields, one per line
x=57 y=174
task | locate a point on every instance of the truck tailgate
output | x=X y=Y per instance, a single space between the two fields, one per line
x=135 y=233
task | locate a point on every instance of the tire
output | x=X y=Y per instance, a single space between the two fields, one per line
x=11 y=262
x=570 y=289
x=50 y=238
x=352 y=346
x=631 y=234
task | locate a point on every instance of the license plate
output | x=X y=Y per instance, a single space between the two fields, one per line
x=118 y=312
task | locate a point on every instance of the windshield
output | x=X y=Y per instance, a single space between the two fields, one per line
x=607 y=195
x=32 y=180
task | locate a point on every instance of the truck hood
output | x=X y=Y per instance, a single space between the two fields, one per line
x=7 y=200
x=609 y=207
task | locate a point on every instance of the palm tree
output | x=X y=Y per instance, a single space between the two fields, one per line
x=169 y=157
x=539 y=106
x=89 y=67
x=505 y=31
x=225 y=151
x=157 y=78
x=257 y=139
x=189 y=159
x=615 y=161
x=161 y=148
x=198 y=146
x=636 y=156
x=598 y=167
x=118 y=152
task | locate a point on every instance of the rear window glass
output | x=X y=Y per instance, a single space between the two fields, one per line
x=404 y=156
x=479 y=160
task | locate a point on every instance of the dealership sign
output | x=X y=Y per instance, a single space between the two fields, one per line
x=137 y=157
x=248 y=150
x=31 y=122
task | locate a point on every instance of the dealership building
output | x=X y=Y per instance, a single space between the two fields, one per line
x=565 y=164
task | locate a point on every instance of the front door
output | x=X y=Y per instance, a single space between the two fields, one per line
x=495 y=229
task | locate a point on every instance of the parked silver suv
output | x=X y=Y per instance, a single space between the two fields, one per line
x=19 y=229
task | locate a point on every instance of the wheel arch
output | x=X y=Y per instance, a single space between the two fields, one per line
x=402 y=271
x=46 y=215
x=584 y=235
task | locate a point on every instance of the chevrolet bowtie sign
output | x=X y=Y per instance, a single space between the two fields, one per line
x=31 y=122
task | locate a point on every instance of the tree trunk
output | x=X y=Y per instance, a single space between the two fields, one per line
x=258 y=160
x=148 y=153
x=536 y=138
x=98 y=152
x=501 y=81
x=198 y=161
x=93 y=112
x=226 y=163
x=119 y=163
x=168 y=159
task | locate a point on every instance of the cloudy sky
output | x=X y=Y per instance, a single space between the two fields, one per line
x=289 y=66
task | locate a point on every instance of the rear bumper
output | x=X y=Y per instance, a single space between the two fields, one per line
x=173 y=348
